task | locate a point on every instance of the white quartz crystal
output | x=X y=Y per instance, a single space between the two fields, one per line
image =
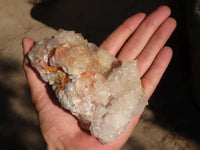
x=89 y=82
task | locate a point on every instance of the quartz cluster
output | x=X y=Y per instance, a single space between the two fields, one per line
x=101 y=92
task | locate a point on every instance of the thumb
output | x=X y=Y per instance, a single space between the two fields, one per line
x=37 y=86
x=27 y=45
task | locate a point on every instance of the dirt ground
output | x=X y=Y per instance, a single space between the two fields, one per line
x=168 y=123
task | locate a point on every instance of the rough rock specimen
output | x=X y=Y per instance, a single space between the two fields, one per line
x=101 y=92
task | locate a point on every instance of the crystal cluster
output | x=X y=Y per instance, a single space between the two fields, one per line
x=101 y=92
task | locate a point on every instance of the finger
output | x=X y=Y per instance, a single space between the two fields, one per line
x=142 y=35
x=152 y=77
x=27 y=45
x=116 y=39
x=157 y=41
x=36 y=85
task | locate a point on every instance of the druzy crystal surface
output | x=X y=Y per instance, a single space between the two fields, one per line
x=101 y=92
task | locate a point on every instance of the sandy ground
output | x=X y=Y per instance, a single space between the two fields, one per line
x=18 y=120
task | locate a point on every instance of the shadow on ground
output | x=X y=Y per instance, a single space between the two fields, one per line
x=6 y=135
x=172 y=103
x=94 y=19
x=15 y=127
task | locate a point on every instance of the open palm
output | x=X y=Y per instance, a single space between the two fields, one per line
x=139 y=37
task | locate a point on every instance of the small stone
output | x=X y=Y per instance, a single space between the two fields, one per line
x=101 y=92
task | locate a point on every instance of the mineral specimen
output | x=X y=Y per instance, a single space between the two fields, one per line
x=101 y=92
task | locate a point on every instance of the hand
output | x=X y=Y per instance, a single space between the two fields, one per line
x=139 y=37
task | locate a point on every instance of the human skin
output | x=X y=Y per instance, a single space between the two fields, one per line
x=139 y=37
